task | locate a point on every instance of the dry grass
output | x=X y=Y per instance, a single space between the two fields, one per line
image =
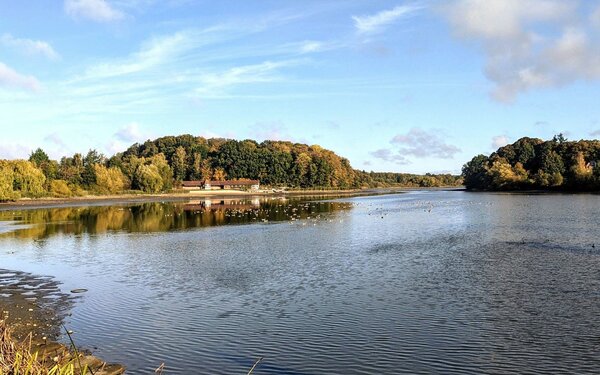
x=24 y=358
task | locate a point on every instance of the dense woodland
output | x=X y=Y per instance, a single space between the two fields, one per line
x=160 y=165
x=531 y=163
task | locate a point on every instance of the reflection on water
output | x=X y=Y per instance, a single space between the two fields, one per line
x=419 y=283
x=158 y=216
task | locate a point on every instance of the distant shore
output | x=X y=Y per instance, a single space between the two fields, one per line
x=184 y=196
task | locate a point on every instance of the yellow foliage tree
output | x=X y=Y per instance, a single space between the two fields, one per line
x=7 y=192
x=28 y=179
x=581 y=170
x=219 y=174
x=110 y=180
x=59 y=188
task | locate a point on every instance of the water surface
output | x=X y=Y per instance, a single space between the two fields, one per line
x=424 y=282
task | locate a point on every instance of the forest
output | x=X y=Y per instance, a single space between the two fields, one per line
x=532 y=163
x=160 y=165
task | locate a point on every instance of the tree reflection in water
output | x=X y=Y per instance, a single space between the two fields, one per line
x=150 y=217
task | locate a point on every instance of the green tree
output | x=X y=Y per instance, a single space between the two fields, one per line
x=88 y=174
x=474 y=173
x=38 y=157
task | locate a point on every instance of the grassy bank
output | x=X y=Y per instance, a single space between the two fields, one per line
x=29 y=357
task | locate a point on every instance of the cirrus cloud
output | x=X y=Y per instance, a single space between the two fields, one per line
x=375 y=23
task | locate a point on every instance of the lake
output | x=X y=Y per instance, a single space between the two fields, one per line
x=447 y=282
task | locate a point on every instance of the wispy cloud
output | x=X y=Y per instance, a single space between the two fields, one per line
x=377 y=22
x=267 y=71
x=55 y=139
x=312 y=46
x=11 y=79
x=424 y=144
x=29 y=46
x=13 y=151
x=499 y=141
x=129 y=133
x=95 y=10
x=153 y=53
x=125 y=136
x=270 y=131
x=390 y=155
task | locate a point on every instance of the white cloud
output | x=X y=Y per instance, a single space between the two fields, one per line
x=29 y=46
x=12 y=151
x=130 y=133
x=125 y=136
x=389 y=155
x=96 y=10
x=528 y=44
x=504 y=19
x=152 y=53
x=499 y=141
x=270 y=131
x=377 y=22
x=255 y=73
x=424 y=144
x=311 y=46
x=12 y=79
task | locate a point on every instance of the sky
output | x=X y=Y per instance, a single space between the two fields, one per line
x=399 y=86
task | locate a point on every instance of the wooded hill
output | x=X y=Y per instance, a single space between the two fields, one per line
x=160 y=165
x=531 y=163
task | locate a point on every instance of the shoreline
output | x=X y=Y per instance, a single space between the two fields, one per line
x=91 y=200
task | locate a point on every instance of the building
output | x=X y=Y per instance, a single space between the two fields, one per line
x=221 y=185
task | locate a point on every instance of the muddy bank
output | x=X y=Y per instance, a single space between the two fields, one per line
x=33 y=308
x=33 y=304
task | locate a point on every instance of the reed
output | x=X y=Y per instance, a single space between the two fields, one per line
x=22 y=358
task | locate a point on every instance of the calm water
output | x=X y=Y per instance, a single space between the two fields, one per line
x=424 y=282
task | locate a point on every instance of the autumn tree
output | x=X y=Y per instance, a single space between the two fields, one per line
x=110 y=180
x=179 y=164
x=28 y=179
x=219 y=174
x=7 y=192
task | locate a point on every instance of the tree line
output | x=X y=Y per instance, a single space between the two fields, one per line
x=532 y=163
x=160 y=165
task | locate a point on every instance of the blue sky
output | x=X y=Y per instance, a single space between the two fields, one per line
x=399 y=86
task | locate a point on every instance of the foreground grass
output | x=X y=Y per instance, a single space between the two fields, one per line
x=24 y=358
x=29 y=358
